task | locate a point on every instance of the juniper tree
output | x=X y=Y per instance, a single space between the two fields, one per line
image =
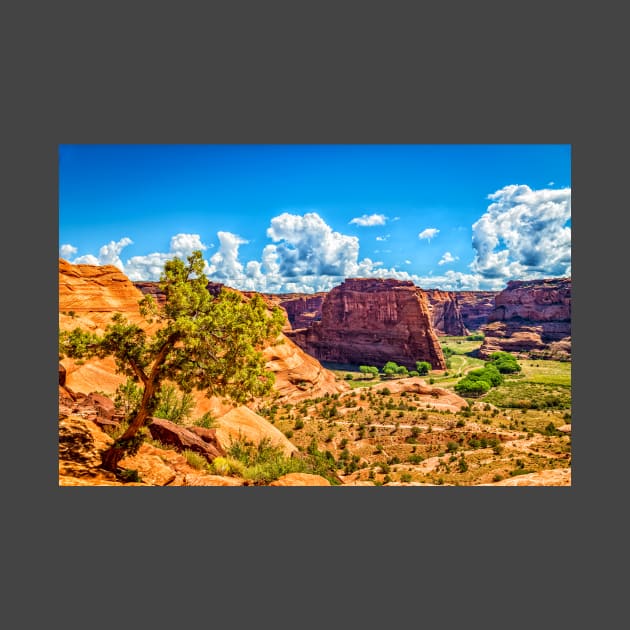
x=204 y=342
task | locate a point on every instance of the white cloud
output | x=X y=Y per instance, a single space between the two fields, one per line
x=184 y=244
x=447 y=258
x=107 y=255
x=368 y=220
x=224 y=264
x=383 y=238
x=150 y=266
x=428 y=234
x=407 y=262
x=66 y=251
x=523 y=234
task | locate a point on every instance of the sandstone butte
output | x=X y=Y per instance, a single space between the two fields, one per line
x=89 y=295
x=452 y=312
x=531 y=316
x=369 y=321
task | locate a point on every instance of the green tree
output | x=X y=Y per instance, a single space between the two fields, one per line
x=369 y=370
x=423 y=367
x=212 y=344
x=505 y=362
x=390 y=368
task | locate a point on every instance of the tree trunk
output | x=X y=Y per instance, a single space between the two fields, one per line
x=111 y=456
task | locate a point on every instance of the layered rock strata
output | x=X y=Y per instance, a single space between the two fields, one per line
x=531 y=316
x=475 y=307
x=369 y=321
x=446 y=315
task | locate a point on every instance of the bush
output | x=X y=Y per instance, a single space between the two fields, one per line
x=207 y=421
x=505 y=362
x=423 y=367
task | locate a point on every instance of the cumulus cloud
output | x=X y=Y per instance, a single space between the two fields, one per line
x=108 y=254
x=428 y=234
x=368 y=220
x=150 y=266
x=447 y=258
x=66 y=251
x=524 y=234
x=224 y=264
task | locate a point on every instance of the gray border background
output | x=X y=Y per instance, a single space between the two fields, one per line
x=281 y=72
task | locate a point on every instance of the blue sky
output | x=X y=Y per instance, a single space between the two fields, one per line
x=284 y=218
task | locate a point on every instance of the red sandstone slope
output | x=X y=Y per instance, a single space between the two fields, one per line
x=369 y=321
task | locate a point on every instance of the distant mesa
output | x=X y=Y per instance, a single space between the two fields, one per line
x=533 y=317
x=369 y=321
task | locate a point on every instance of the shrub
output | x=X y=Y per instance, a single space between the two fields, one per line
x=505 y=362
x=207 y=421
x=423 y=367
x=196 y=460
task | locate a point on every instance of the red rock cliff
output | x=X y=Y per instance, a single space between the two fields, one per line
x=303 y=310
x=369 y=321
x=474 y=307
x=446 y=315
x=531 y=316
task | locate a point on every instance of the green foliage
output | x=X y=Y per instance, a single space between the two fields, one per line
x=207 y=421
x=127 y=398
x=390 y=368
x=128 y=475
x=505 y=362
x=472 y=387
x=477 y=336
x=369 y=370
x=264 y=462
x=423 y=367
x=173 y=407
x=196 y=460
x=212 y=344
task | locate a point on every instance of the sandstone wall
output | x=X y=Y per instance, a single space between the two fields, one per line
x=531 y=316
x=369 y=321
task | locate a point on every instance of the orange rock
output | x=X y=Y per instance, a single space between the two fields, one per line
x=300 y=479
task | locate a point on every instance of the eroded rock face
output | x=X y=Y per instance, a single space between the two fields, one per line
x=304 y=310
x=369 y=321
x=475 y=307
x=446 y=315
x=532 y=316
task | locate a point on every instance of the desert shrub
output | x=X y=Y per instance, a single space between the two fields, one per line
x=196 y=460
x=173 y=406
x=405 y=477
x=207 y=421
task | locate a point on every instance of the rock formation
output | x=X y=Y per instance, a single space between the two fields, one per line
x=446 y=315
x=531 y=316
x=474 y=307
x=369 y=321
x=90 y=294
x=303 y=310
